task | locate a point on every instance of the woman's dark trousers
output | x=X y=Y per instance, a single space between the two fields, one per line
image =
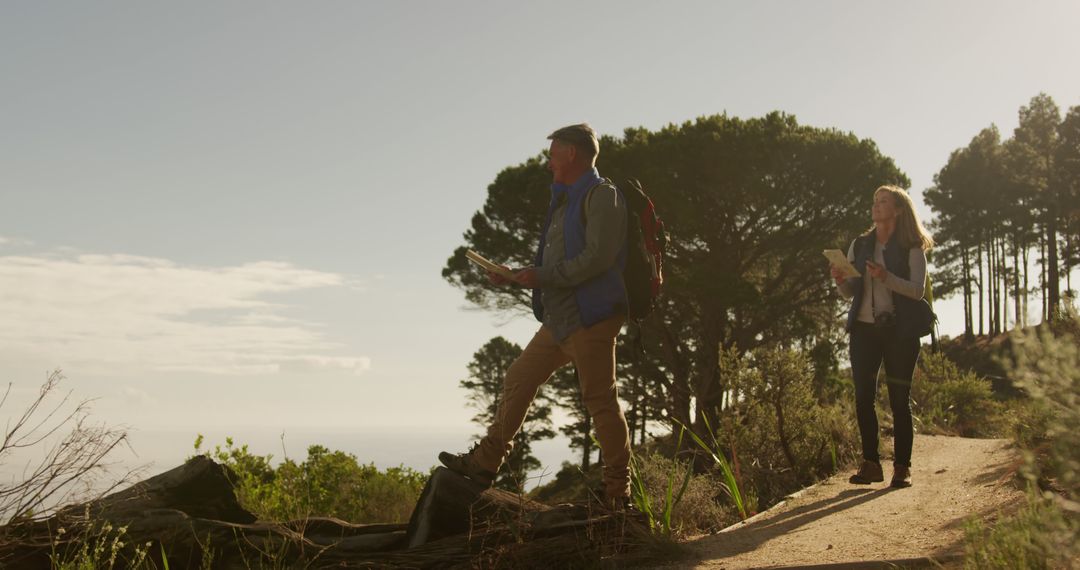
x=870 y=346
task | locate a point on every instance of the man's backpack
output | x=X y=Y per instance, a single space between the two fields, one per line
x=645 y=245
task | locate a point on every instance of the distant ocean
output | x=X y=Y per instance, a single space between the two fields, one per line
x=164 y=449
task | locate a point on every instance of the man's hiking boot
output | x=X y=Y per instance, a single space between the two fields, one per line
x=869 y=472
x=464 y=464
x=901 y=477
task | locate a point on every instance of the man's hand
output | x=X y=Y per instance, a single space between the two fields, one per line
x=496 y=279
x=527 y=278
x=877 y=271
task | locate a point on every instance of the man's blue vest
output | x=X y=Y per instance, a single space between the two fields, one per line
x=896 y=261
x=604 y=295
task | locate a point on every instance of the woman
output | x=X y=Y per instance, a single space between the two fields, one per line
x=884 y=324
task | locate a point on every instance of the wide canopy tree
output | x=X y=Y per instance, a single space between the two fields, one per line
x=749 y=205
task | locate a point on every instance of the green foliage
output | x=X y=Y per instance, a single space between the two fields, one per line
x=774 y=430
x=677 y=501
x=998 y=202
x=1048 y=367
x=570 y=484
x=948 y=400
x=1046 y=531
x=1067 y=176
x=729 y=482
x=659 y=513
x=1032 y=538
x=327 y=483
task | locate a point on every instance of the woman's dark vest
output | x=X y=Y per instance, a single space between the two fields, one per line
x=896 y=261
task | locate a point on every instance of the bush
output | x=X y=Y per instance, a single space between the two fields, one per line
x=328 y=483
x=698 y=511
x=1032 y=538
x=1046 y=531
x=951 y=401
x=570 y=484
x=1048 y=367
x=778 y=434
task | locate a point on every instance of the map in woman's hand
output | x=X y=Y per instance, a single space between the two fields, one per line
x=488 y=265
x=837 y=258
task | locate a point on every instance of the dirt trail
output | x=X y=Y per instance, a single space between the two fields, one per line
x=836 y=522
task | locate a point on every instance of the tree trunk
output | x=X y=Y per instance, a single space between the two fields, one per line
x=708 y=391
x=1016 y=282
x=979 y=263
x=451 y=504
x=969 y=330
x=586 y=443
x=644 y=418
x=1003 y=261
x=1042 y=273
x=1026 y=285
x=781 y=432
x=1052 y=276
x=992 y=280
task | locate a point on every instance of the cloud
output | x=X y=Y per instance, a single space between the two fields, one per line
x=132 y=395
x=128 y=312
x=14 y=241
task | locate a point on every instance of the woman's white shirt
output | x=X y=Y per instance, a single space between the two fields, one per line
x=876 y=297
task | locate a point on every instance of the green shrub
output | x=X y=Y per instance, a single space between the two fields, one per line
x=569 y=485
x=1038 y=536
x=1046 y=531
x=1048 y=368
x=327 y=483
x=777 y=433
x=951 y=401
x=697 y=510
x=1031 y=421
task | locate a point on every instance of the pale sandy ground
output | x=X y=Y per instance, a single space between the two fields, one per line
x=835 y=522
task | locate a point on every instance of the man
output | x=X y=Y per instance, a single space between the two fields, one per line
x=580 y=299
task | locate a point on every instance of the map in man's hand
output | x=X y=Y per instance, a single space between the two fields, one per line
x=488 y=265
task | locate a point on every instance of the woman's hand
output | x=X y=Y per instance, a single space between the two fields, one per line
x=876 y=271
x=837 y=274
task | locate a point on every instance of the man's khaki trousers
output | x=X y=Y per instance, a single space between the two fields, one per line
x=592 y=350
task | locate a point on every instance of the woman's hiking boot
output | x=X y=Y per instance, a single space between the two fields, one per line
x=465 y=464
x=901 y=476
x=869 y=472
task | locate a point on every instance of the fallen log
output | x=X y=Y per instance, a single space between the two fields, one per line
x=190 y=514
x=186 y=514
x=451 y=504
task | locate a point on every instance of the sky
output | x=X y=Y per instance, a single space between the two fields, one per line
x=231 y=218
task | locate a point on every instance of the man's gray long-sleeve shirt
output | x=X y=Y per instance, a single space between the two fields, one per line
x=605 y=234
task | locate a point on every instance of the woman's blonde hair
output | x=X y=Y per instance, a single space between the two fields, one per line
x=909 y=230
